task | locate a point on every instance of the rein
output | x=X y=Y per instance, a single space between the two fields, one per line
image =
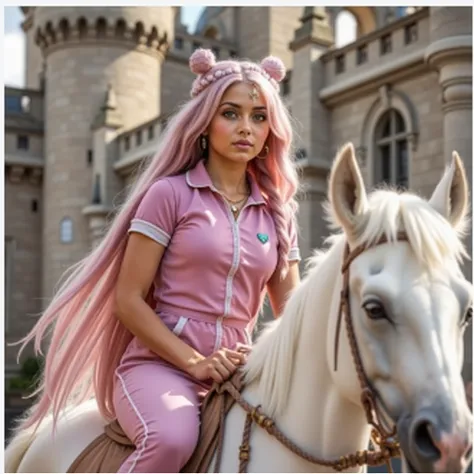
x=381 y=437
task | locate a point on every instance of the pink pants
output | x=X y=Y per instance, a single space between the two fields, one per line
x=157 y=405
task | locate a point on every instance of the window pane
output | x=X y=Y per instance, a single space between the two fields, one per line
x=385 y=161
x=402 y=164
x=399 y=122
x=382 y=164
x=66 y=230
x=13 y=103
x=22 y=142
x=385 y=126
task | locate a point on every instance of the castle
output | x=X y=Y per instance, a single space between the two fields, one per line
x=101 y=82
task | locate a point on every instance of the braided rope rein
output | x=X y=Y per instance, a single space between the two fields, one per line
x=387 y=448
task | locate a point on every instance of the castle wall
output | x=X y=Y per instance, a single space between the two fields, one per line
x=23 y=239
x=176 y=80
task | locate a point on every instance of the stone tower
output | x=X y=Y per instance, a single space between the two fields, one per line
x=87 y=52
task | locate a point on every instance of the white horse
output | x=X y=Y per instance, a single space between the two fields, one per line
x=409 y=305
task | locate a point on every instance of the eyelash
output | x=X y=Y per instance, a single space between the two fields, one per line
x=227 y=112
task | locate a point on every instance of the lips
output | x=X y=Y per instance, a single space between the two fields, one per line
x=243 y=143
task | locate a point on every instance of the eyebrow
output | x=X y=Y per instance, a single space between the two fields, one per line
x=237 y=106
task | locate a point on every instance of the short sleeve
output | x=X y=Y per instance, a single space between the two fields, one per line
x=294 y=255
x=156 y=213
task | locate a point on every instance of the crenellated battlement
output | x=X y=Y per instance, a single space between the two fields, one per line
x=84 y=30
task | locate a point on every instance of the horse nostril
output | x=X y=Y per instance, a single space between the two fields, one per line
x=424 y=440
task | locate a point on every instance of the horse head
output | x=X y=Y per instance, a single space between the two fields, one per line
x=409 y=305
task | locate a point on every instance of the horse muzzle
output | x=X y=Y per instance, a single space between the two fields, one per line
x=432 y=445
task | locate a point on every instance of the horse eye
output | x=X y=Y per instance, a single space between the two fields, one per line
x=374 y=310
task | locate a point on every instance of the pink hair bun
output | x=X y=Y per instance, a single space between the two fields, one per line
x=201 y=61
x=274 y=67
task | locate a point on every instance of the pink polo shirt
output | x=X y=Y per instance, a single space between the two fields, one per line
x=215 y=268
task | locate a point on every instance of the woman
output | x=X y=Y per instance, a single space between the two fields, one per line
x=166 y=303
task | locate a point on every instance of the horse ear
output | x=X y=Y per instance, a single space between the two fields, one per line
x=451 y=196
x=347 y=195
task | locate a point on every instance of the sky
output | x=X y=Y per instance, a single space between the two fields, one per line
x=14 y=40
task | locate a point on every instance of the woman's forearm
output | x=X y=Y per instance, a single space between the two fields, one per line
x=140 y=319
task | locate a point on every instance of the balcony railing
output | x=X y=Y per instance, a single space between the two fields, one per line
x=400 y=38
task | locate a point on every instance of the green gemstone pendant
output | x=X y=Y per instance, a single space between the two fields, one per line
x=262 y=237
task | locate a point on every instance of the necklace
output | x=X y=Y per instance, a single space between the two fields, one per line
x=234 y=204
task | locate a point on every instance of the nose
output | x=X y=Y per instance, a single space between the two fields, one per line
x=453 y=449
x=245 y=126
x=435 y=450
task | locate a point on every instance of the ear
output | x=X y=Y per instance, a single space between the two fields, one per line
x=451 y=196
x=347 y=195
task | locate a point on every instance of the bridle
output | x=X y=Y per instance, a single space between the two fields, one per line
x=388 y=447
x=368 y=395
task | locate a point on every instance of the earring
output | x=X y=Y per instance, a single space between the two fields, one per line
x=267 y=150
x=203 y=142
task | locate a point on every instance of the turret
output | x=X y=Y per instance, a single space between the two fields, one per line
x=86 y=51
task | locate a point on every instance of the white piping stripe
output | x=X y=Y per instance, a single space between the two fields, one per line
x=249 y=337
x=178 y=329
x=218 y=333
x=235 y=261
x=150 y=230
x=294 y=254
x=145 y=439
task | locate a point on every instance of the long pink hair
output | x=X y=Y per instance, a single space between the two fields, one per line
x=88 y=341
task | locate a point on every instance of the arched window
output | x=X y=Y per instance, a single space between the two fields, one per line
x=346 y=28
x=391 y=150
x=66 y=233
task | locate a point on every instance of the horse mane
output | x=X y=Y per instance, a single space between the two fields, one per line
x=272 y=358
x=432 y=239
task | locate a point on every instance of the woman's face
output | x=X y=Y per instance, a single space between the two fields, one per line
x=240 y=127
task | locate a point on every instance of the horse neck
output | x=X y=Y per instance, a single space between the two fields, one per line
x=320 y=419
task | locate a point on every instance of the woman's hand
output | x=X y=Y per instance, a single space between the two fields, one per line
x=219 y=366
